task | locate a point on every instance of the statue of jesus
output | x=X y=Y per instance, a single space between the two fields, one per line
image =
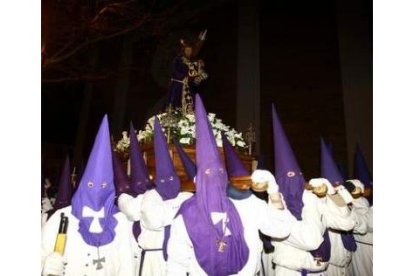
x=187 y=73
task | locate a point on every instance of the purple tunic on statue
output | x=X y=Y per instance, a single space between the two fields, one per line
x=179 y=72
x=219 y=247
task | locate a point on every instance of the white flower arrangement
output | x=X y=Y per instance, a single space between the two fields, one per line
x=184 y=131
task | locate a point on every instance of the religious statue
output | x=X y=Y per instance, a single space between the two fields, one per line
x=187 y=73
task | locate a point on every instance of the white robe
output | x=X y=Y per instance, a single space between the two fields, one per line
x=79 y=255
x=155 y=215
x=131 y=208
x=292 y=254
x=340 y=261
x=338 y=218
x=362 y=261
x=255 y=215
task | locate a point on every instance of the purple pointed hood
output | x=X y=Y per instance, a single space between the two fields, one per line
x=361 y=170
x=140 y=180
x=95 y=196
x=205 y=213
x=287 y=171
x=166 y=181
x=120 y=177
x=329 y=168
x=65 y=190
x=188 y=164
x=234 y=165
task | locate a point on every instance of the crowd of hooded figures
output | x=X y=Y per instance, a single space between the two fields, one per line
x=138 y=225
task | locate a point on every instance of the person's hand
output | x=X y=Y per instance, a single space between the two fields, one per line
x=54 y=264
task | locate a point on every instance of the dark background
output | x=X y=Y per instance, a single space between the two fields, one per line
x=315 y=65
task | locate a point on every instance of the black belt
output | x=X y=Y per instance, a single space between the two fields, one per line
x=143 y=251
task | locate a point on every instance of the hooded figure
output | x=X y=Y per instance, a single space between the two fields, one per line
x=140 y=178
x=301 y=253
x=329 y=168
x=211 y=220
x=278 y=224
x=99 y=237
x=188 y=164
x=212 y=235
x=158 y=208
x=362 y=261
x=121 y=180
x=65 y=190
x=236 y=172
x=288 y=173
x=342 y=242
x=361 y=172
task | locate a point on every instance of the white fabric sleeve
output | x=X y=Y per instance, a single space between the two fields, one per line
x=295 y=259
x=180 y=250
x=338 y=218
x=274 y=222
x=130 y=206
x=370 y=220
x=126 y=264
x=362 y=215
x=307 y=234
x=156 y=213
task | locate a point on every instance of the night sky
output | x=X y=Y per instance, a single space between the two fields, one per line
x=300 y=67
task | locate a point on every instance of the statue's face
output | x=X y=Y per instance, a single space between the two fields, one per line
x=187 y=52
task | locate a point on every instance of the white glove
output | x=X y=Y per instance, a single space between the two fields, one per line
x=54 y=265
x=266 y=176
x=46 y=204
x=130 y=206
x=309 y=199
x=346 y=196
